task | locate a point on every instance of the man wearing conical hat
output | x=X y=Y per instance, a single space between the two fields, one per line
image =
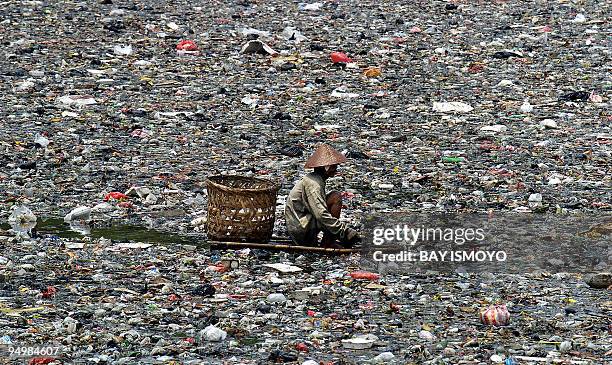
x=310 y=209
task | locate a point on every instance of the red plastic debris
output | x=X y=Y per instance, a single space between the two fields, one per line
x=187 y=45
x=139 y=133
x=415 y=29
x=347 y=195
x=237 y=296
x=600 y=205
x=394 y=307
x=365 y=275
x=127 y=205
x=368 y=306
x=496 y=315
x=339 y=57
x=546 y=29
x=219 y=267
x=115 y=195
x=49 y=292
x=174 y=298
x=301 y=347
x=476 y=68
x=311 y=313
x=41 y=360
x=501 y=172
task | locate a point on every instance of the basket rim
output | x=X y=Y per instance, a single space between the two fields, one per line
x=274 y=187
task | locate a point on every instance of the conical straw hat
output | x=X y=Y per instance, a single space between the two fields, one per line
x=325 y=155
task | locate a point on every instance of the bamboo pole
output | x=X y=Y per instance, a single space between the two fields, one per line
x=218 y=245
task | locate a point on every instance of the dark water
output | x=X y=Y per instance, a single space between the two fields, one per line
x=113 y=231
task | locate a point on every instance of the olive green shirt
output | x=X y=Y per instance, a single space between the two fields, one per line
x=306 y=212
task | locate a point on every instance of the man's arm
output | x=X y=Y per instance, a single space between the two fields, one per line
x=316 y=201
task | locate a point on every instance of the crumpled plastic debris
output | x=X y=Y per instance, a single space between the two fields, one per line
x=259 y=47
x=212 y=333
x=187 y=45
x=22 y=219
x=42 y=141
x=312 y=6
x=360 y=342
x=79 y=213
x=115 y=195
x=284 y=268
x=498 y=128
x=383 y=358
x=372 y=72
x=292 y=34
x=76 y=100
x=526 y=107
x=495 y=315
x=123 y=50
x=452 y=106
x=364 y=275
x=339 y=57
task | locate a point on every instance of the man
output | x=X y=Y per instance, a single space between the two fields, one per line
x=310 y=210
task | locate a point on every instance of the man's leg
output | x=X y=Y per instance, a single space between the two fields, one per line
x=334 y=205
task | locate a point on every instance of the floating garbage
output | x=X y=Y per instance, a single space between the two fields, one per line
x=126 y=108
x=526 y=107
x=284 y=268
x=383 y=358
x=77 y=100
x=498 y=128
x=78 y=214
x=339 y=57
x=276 y=298
x=122 y=50
x=549 y=124
x=187 y=45
x=292 y=34
x=212 y=333
x=453 y=106
x=257 y=47
x=360 y=342
x=42 y=141
x=496 y=315
x=22 y=219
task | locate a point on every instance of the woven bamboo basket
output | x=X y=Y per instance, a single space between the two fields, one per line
x=240 y=208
